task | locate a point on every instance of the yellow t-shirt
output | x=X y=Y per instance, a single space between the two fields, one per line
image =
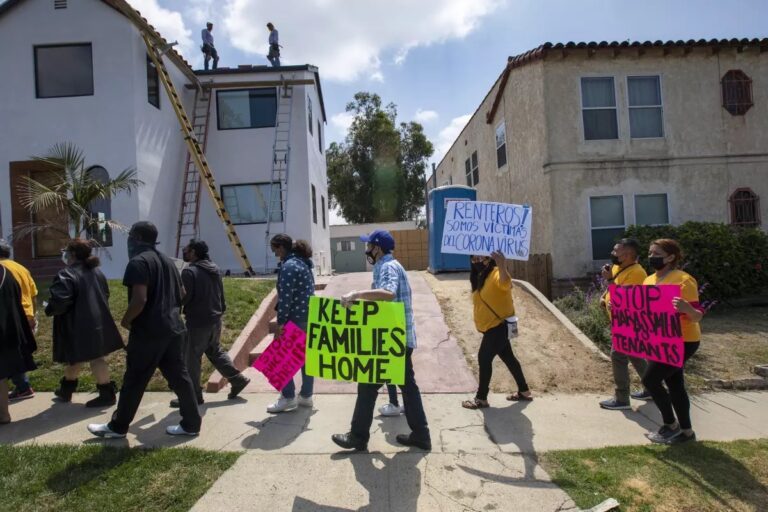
x=26 y=283
x=689 y=289
x=498 y=296
x=633 y=274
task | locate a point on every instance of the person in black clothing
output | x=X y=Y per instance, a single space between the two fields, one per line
x=204 y=305
x=83 y=328
x=156 y=338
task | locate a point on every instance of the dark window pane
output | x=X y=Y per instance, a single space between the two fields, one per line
x=322 y=209
x=319 y=138
x=606 y=211
x=501 y=155
x=153 y=84
x=644 y=91
x=314 y=205
x=309 y=114
x=64 y=70
x=247 y=108
x=603 y=241
x=600 y=124
x=651 y=209
x=100 y=211
x=474 y=159
x=249 y=204
x=597 y=92
x=645 y=122
x=476 y=175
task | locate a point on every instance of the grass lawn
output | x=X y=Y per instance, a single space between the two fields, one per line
x=64 y=477
x=698 y=477
x=243 y=298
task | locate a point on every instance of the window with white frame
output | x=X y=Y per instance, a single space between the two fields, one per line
x=606 y=215
x=598 y=108
x=651 y=209
x=345 y=246
x=249 y=203
x=472 y=170
x=501 y=145
x=246 y=108
x=646 y=118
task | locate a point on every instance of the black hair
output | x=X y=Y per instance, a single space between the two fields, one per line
x=5 y=249
x=144 y=231
x=631 y=243
x=302 y=249
x=200 y=248
x=282 y=240
x=479 y=273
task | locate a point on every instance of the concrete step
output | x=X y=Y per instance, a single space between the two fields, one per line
x=260 y=348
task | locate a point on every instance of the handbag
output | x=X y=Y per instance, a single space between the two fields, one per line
x=511 y=321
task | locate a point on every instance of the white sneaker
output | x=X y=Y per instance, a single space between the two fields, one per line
x=178 y=430
x=389 y=409
x=306 y=402
x=283 y=405
x=103 y=430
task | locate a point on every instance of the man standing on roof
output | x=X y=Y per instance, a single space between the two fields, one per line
x=274 y=46
x=208 y=49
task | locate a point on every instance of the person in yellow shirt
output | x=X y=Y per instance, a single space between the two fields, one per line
x=22 y=389
x=493 y=304
x=624 y=270
x=665 y=256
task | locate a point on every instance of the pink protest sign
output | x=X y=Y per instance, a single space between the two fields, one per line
x=283 y=357
x=644 y=323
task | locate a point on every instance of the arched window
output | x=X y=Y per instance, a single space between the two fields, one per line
x=100 y=210
x=745 y=208
x=737 y=92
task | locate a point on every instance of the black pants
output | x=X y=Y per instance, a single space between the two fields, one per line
x=362 y=418
x=145 y=355
x=209 y=52
x=207 y=340
x=676 y=401
x=496 y=343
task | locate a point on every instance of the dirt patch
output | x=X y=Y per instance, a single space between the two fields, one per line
x=552 y=358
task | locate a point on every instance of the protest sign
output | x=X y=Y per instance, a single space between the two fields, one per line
x=480 y=227
x=283 y=357
x=364 y=342
x=644 y=323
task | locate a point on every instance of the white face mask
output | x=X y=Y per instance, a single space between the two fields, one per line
x=64 y=257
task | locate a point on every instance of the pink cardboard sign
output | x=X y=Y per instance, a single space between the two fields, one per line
x=283 y=357
x=644 y=323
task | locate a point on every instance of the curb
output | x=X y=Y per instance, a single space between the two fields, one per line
x=562 y=318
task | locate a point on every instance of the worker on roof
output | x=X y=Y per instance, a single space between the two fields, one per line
x=274 y=46
x=208 y=49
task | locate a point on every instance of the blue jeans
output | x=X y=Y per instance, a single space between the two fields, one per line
x=21 y=381
x=307 y=383
x=392 y=390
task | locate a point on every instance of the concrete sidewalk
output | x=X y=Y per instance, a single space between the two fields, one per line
x=481 y=460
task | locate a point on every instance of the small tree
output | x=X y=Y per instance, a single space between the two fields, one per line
x=72 y=190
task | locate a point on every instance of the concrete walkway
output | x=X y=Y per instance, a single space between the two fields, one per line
x=481 y=460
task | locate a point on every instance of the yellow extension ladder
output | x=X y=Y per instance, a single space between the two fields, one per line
x=198 y=156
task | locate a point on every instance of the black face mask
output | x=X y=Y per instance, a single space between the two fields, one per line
x=657 y=262
x=369 y=256
x=615 y=259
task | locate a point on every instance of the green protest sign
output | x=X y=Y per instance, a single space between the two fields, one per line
x=362 y=343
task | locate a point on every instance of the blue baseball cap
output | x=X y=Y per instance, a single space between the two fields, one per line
x=381 y=238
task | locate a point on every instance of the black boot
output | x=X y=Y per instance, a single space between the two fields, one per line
x=66 y=388
x=107 y=395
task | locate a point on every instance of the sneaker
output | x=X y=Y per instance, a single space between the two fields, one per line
x=390 y=409
x=283 y=405
x=682 y=438
x=641 y=395
x=614 y=405
x=237 y=386
x=178 y=430
x=306 y=401
x=103 y=430
x=17 y=395
x=664 y=435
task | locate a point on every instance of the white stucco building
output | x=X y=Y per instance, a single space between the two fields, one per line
x=599 y=136
x=78 y=71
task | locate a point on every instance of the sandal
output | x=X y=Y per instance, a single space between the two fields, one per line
x=519 y=397
x=475 y=403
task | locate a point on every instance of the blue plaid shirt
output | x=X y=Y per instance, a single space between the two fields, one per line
x=389 y=274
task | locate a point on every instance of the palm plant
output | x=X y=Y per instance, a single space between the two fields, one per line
x=71 y=189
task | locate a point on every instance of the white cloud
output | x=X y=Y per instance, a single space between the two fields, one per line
x=425 y=116
x=170 y=25
x=347 y=39
x=448 y=135
x=342 y=121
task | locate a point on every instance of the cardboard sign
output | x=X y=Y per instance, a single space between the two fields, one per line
x=284 y=357
x=644 y=323
x=364 y=342
x=480 y=227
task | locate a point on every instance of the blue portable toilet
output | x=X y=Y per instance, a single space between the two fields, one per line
x=438 y=197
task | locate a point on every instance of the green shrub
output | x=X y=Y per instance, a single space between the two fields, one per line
x=727 y=261
x=586 y=313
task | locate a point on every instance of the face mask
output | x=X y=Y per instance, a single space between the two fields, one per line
x=615 y=259
x=65 y=257
x=370 y=257
x=185 y=257
x=657 y=262
x=135 y=247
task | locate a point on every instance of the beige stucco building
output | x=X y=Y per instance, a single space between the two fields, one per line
x=599 y=136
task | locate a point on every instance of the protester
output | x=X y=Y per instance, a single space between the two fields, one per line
x=204 y=306
x=295 y=285
x=274 y=46
x=156 y=335
x=23 y=389
x=208 y=49
x=665 y=256
x=393 y=407
x=624 y=270
x=83 y=328
x=17 y=342
x=493 y=305
x=390 y=282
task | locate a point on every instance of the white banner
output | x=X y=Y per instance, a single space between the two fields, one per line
x=480 y=227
